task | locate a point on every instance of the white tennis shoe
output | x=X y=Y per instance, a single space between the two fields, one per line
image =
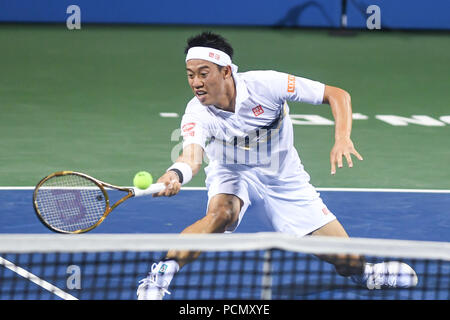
x=392 y=274
x=152 y=287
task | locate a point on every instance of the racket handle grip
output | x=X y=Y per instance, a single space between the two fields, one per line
x=154 y=188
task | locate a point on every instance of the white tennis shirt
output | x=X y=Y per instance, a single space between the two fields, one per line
x=259 y=134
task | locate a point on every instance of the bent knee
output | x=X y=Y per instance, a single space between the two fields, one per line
x=223 y=213
x=222 y=216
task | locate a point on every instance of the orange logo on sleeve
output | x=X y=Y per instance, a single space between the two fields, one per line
x=291 y=84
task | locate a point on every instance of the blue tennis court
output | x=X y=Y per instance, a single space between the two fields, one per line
x=372 y=214
x=365 y=214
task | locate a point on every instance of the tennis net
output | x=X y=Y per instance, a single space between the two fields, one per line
x=234 y=266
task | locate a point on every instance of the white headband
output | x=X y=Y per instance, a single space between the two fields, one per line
x=212 y=55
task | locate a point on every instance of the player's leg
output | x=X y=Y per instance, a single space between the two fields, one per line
x=223 y=211
x=346 y=265
x=312 y=217
x=390 y=274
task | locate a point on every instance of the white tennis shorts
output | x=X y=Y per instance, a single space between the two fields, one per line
x=289 y=204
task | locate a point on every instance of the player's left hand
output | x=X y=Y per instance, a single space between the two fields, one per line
x=342 y=148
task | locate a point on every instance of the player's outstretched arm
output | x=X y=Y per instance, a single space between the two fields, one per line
x=190 y=159
x=341 y=107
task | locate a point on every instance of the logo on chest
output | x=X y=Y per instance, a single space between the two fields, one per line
x=258 y=110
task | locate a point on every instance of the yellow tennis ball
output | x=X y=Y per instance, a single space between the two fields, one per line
x=142 y=180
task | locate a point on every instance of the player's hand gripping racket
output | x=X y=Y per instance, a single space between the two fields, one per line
x=73 y=202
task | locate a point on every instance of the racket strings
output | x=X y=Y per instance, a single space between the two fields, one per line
x=70 y=202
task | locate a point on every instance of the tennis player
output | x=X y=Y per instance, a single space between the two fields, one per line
x=241 y=121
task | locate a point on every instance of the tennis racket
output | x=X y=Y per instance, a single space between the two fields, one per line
x=73 y=202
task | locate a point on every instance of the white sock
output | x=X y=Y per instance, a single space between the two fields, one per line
x=368 y=270
x=165 y=270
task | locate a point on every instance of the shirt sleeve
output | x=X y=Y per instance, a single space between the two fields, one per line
x=289 y=87
x=193 y=131
x=304 y=90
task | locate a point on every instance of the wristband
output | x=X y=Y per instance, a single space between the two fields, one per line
x=183 y=170
x=179 y=174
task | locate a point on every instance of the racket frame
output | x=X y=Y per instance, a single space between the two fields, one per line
x=102 y=186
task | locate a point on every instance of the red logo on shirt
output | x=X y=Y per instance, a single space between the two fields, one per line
x=258 y=110
x=325 y=211
x=188 y=129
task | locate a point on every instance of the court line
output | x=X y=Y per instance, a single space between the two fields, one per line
x=385 y=190
x=318 y=189
x=359 y=190
x=35 y=279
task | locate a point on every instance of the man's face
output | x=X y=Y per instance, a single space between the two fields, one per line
x=206 y=80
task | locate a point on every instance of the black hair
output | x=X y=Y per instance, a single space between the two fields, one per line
x=210 y=40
